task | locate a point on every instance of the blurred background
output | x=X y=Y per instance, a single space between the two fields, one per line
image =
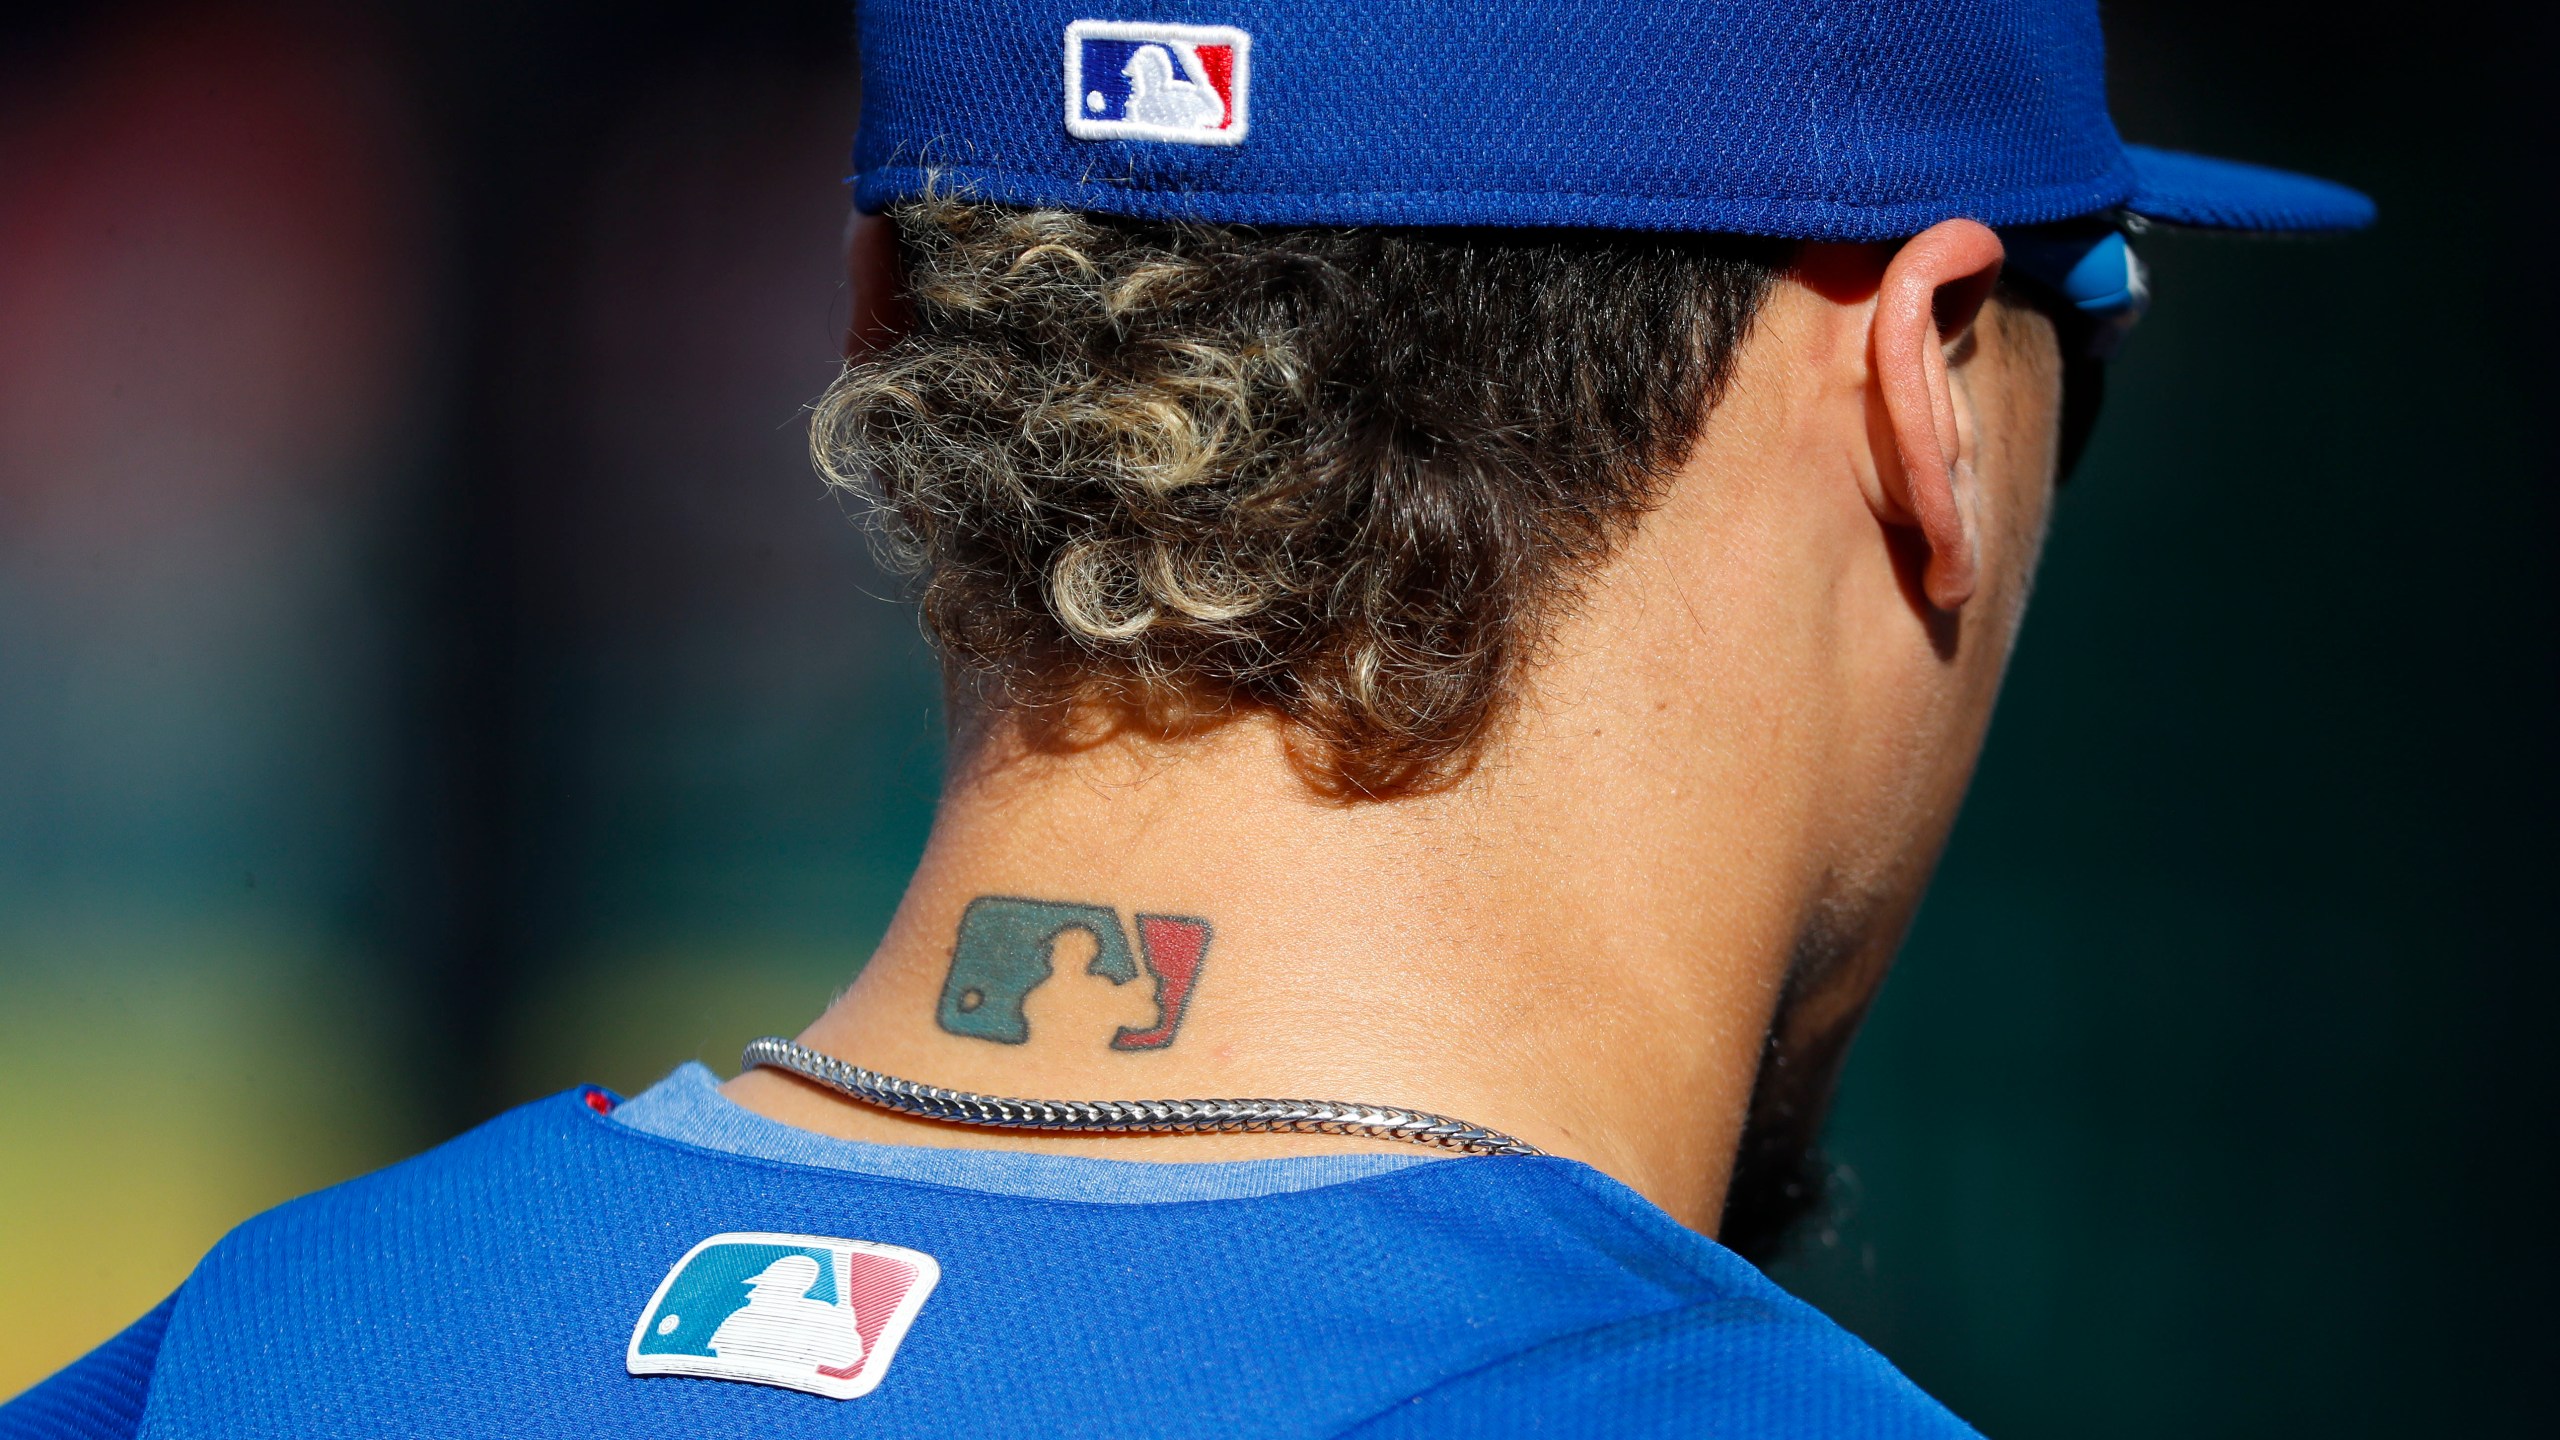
x=430 y=676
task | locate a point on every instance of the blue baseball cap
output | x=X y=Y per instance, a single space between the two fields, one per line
x=1790 y=118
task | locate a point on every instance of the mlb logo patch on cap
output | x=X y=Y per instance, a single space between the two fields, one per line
x=1136 y=80
x=805 y=1312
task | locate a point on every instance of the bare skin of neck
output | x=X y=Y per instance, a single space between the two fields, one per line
x=1749 y=727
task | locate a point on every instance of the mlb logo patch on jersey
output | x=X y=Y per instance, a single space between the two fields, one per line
x=1136 y=80
x=805 y=1312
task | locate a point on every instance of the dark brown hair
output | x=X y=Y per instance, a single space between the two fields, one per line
x=1340 y=475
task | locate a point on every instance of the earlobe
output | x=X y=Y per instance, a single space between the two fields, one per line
x=1933 y=289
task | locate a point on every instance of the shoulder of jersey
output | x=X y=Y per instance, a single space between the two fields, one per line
x=1726 y=1367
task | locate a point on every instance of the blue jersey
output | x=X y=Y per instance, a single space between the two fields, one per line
x=560 y=1273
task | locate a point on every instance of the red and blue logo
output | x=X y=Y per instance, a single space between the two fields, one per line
x=1135 y=80
x=805 y=1312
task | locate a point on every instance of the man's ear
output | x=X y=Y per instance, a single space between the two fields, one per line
x=879 y=315
x=1933 y=289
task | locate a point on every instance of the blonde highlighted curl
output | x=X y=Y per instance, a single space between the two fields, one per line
x=1183 y=470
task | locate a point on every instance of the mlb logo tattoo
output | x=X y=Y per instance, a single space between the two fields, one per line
x=1132 y=80
x=805 y=1312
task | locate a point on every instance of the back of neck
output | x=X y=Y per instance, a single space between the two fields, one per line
x=1133 y=920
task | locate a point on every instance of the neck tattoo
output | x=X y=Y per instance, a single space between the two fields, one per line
x=1003 y=953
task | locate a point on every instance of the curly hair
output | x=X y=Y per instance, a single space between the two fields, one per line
x=1341 y=475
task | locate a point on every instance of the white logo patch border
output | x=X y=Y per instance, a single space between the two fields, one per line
x=1084 y=128
x=875 y=1361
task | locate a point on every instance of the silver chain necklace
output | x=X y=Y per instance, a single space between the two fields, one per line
x=1130 y=1117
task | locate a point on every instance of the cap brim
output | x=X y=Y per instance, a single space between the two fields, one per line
x=2228 y=195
